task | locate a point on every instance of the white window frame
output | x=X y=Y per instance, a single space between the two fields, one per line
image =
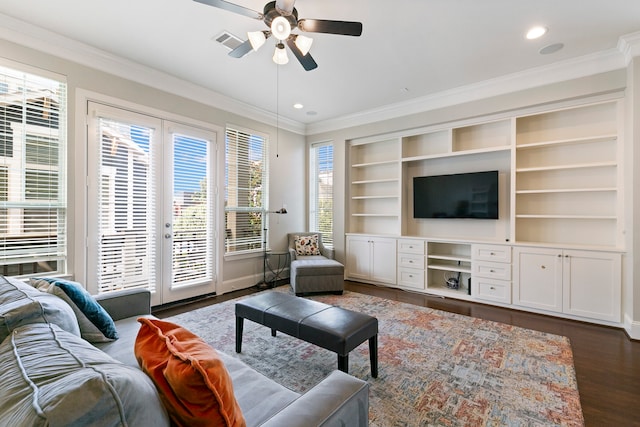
x=315 y=191
x=48 y=86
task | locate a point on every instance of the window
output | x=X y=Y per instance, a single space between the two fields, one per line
x=33 y=211
x=246 y=184
x=321 y=191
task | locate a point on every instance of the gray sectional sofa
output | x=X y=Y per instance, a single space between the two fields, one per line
x=51 y=376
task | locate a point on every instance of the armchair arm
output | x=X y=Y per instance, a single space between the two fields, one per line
x=292 y=254
x=327 y=252
x=126 y=303
x=338 y=400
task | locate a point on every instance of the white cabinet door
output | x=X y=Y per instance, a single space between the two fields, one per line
x=383 y=260
x=537 y=278
x=592 y=284
x=358 y=257
x=371 y=259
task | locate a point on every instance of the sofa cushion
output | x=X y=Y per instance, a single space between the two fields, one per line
x=190 y=375
x=251 y=387
x=307 y=245
x=95 y=323
x=53 y=378
x=21 y=304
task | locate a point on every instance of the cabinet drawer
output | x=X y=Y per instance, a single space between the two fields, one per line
x=492 y=290
x=492 y=270
x=411 y=246
x=411 y=278
x=411 y=261
x=491 y=253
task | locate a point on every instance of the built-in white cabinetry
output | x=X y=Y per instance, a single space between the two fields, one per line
x=560 y=202
x=448 y=269
x=411 y=263
x=372 y=259
x=491 y=273
x=575 y=282
x=375 y=186
x=567 y=176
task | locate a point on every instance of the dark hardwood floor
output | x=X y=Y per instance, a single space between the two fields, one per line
x=607 y=362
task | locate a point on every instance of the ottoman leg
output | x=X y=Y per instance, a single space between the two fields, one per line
x=239 y=325
x=373 y=355
x=343 y=363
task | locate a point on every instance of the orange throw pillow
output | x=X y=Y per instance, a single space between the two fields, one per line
x=193 y=382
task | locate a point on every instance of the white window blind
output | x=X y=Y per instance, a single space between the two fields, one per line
x=193 y=205
x=33 y=205
x=126 y=214
x=321 y=191
x=246 y=184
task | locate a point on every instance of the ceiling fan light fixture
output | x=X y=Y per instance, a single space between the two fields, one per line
x=280 y=55
x=280 y=28
x=257 y=39
x=303 y=43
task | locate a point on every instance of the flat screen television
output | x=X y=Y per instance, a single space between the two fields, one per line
x=462 y=195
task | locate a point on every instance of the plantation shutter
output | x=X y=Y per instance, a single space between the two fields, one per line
x=126 y=211
x=246 y=184
x=321 y=191
x=33 y=210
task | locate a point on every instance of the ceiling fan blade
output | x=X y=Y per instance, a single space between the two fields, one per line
x=345 y=28
x=307 y=62
x=241 y=50
x=241 y=10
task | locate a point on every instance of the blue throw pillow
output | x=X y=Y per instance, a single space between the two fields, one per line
x=95 y=323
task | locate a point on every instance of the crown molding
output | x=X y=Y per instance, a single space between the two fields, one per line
x=583 y=66
x=629 y=45
x=51 y=43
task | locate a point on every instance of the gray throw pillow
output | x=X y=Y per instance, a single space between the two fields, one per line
x=21 y=304
x=53 y=378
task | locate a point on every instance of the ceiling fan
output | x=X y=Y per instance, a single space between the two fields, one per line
x=282 y=18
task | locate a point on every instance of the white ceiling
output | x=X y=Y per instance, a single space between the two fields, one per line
x=409 y=49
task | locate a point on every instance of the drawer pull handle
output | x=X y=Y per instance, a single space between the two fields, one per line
x=492 y=288
x=492 y=253
x=492 y=271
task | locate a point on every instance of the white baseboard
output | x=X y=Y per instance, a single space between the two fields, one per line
x=632 y=327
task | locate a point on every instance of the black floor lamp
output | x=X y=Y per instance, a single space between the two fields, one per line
x=264 y=284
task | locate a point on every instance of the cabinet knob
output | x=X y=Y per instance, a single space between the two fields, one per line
x=492 y=271
x=492 y=288
x=543 y=267
x=491 y=253
x=559 y=255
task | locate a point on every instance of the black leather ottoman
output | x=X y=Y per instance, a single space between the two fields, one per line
x=333 y=328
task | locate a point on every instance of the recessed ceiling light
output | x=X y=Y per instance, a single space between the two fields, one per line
x=311 y=113
x=298 y=106
x=536 y=32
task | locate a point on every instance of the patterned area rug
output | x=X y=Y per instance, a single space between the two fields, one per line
x=435 y=368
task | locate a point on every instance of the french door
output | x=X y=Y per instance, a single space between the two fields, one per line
x=151 y=205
